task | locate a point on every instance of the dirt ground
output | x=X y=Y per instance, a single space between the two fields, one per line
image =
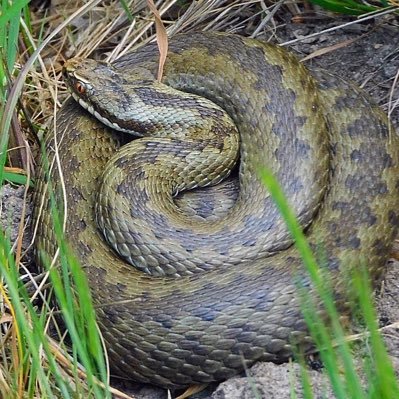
x=370 y=57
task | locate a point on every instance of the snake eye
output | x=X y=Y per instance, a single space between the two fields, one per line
x=80 y=88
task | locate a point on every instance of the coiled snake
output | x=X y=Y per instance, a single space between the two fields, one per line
x=215 y=273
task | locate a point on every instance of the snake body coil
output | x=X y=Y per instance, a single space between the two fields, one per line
x=224 y=271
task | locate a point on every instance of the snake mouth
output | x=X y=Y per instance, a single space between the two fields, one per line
x=92 y=111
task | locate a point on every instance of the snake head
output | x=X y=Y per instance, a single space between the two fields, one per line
x=100 y=89
x=81 y=75
x=97 y=87
x=133 y=101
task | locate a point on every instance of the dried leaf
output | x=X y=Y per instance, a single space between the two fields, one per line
x=162 y=38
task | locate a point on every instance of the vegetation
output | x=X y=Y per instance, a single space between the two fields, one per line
x=37 y=357
x=329 y=337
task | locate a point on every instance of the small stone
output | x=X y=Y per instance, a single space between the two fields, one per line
x=390 y=70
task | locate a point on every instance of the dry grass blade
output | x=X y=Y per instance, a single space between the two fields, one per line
x=69 y=367
x=23 y=213
x=328 y=49
x=143 y=30
x=334 y=28
x=192 y=391
x=13 y=332
x=162 y=38
x=19 y=82
x=366 y=334
x=392 y=104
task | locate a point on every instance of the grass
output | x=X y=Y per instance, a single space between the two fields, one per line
x=32 y=363
x=349 y=7
x=335 y=351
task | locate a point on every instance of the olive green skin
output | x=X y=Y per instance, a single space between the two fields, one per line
x=174 y=331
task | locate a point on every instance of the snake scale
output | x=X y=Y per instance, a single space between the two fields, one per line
x=207 y=275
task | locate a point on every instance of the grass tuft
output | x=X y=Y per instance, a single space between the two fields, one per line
x=329 y=334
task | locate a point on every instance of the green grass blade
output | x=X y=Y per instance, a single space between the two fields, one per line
x=31 y=338
x=316 y=324
x=347 y=7
x=73 y=297
x=382 y=380
x=17 y=178
x=11 y=10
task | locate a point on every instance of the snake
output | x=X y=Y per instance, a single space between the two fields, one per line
x=193 y=271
